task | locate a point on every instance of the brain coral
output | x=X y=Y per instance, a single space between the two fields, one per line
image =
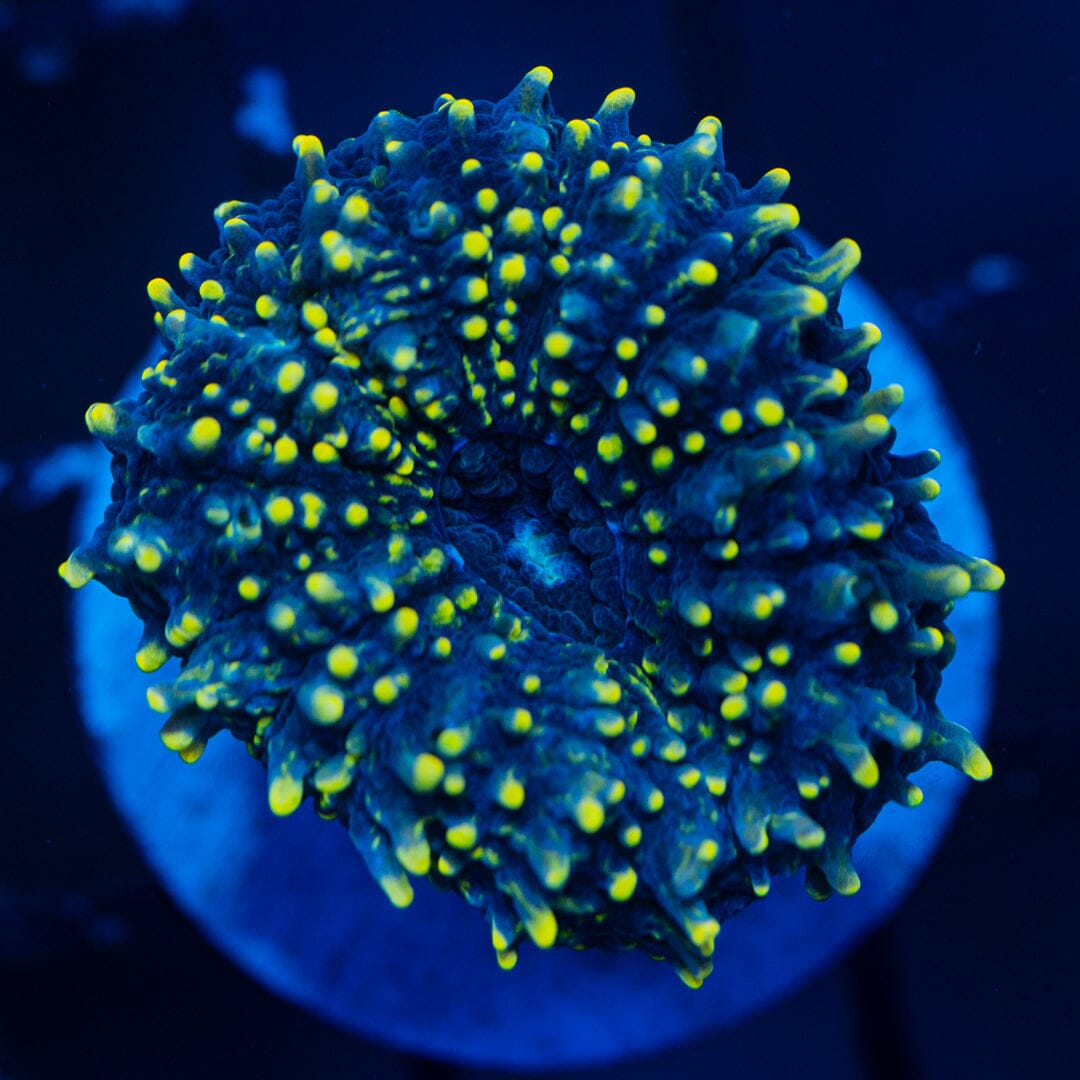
x=512 y=488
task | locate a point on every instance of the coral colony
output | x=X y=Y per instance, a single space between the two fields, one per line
x=513 y=489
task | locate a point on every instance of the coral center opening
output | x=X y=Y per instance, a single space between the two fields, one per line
x=520 y=520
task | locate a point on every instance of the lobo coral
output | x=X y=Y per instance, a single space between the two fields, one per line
x=513 y=489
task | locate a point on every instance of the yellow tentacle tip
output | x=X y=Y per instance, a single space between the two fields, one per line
x=75 y=572
x=617 y=102
x=284 y=794
x=977 y=765
x=307 y=144
x=101 y=419
x=986 y=576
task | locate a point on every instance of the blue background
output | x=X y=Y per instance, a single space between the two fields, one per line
x=935 y=134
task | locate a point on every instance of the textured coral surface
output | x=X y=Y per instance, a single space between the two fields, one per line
x=512 y=487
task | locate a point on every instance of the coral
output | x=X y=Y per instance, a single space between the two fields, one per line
x=512 y=487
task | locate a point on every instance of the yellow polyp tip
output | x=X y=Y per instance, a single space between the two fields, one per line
x=911 y=734
x=693 y=980
x=867 y=530
x=414 y=857
x=427 y=772
x=189 y=627
x=511 y=793
x=204 y=433
x=498 y=939
x=461 y=110
x=957 y=583
x=156 y=700
x=453 y=742
x=284 y=794
x=327 y=705
x=558 y=344
x=730 y=421
x=773 y=695
x=847 y=653
x=589 y=814
x=192 y=752
x=342 y=662
x=618 y=101
x=716 y=786
x=697 y=613
x=733 y=706
x=307 y=144
x=101 y=419
x=531 y=162
x=405 y=622
x=849 y=884
x=762 y=606
x=866 y=773
x=850 y=252
x=386 y=690
x=987 y=576
x=770 y=412
x=324 y=396
x=290 y=375
x=177 y=739
x=160 y=291
x=151 y=657
x=75 y=573
x=977 y=765
x=543 y=928
x=599 y=170
x=322 y=588
x=810 y=839
x=883 y=616
x=380 y=595
x=520 y=220
x=622 y=885
x=541 y=74
x=474 y=327
x=506 y=959
x=282 y=618
x=475 y=245
x=462 y=836
x=520 y=721
x=148 y=558
x=876 y=424
x=758 y=841
x=702 y=273
x=894 y=393
x=703 y=935
x=356 y=515
x=673 y=750
x=398 y=889
x=607 y=691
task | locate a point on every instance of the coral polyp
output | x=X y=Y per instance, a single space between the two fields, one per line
x=513 y=489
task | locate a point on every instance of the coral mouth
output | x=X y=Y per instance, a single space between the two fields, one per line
x=513 y=511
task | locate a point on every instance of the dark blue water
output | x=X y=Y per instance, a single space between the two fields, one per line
x=937 y=135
